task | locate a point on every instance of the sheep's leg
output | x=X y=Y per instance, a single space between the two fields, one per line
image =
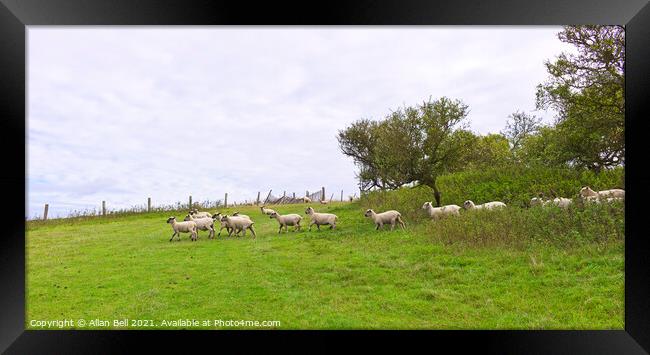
x=377 y=225
x=172 y=238
x=280 y=231
x=332 y=226
x=311 y=224
x=252 y=231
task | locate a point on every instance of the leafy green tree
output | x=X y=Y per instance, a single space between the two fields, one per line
x=587 y=90
x=412 y=145
x=519 y=126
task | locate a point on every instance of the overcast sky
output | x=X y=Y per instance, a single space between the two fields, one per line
x=122 y=114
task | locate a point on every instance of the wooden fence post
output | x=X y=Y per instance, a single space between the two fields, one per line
x=294 y=195
x=103 y=208
x=306 y=193
x=341 y=195
x=225 y=200
x=331 y=197
x=190 y=207
x=148 y=204
x=322 y=197
x=257 y=202
x=47 y=207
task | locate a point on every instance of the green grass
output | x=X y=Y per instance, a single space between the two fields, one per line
x=462 y=273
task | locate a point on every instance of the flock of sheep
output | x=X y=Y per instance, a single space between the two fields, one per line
x=205 y=221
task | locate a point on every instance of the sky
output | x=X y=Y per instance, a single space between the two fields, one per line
x=119 y=114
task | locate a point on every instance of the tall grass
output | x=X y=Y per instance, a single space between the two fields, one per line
x=517 y=225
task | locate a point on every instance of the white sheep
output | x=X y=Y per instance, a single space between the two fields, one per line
x=217 y=218
x=389 y=217
x=561 y=202
x=306 y=199
x=323 y=202
x=266 y=211
x=237 y=214
x=196 y=214
x=598 y=199
x=203 y=224
x=182 y=227
x=586 y=192
x=321 y=218
x=287 y=220
x=238 y=224
x=469 y=204
x=437 y=212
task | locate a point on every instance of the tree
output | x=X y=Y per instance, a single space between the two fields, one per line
x=413 y=144
x=519 y=126
x=588 y=92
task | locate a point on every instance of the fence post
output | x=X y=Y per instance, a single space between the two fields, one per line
x=190 y=207
x=341 y=195
x=103 y=208
x=257 y=202
x=294 y=195
x=331 y=197
x=267 y=197
x=322 y=197
x=148 y=204
x=306 y=193
x=284 y=194
x=225 y=201
x=47 y=207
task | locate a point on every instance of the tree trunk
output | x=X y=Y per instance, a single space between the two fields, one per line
x=436 y=195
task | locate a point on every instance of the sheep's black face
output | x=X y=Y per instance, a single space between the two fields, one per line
x=308 y=211
x=187 y=218
x=272 y=215
x=368 y=213
x=467 y=204
x=224 y=218
x=170 y=219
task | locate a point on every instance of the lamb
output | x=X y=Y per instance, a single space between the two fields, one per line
x=182 y=227
x=321 y=218
x=469 y=204
x=437 y=212
x=306 y=199
x=266 y=211
x=287 y=220
x=387 y=217
x=561 y=202
x=586 y=192
x=238 y=224
x=196 y=214
x=204 y=224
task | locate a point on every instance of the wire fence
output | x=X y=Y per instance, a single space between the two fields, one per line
x=318 y=196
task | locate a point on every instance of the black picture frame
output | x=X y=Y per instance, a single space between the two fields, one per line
x=16 y=15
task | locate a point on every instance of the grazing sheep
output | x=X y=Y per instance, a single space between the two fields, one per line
x=306 y=199
x=389 y=217
x=437 y=212
x=561 y=202
x=266 y=211
x=287 y=220
x=488 y=205
x=196 y=214
x=182 y=227
x=203 y=224
x=323 y=202
x=321 y=218
x=586 y=192
x=238 y=224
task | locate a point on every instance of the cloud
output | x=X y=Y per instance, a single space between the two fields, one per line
x=122 y=114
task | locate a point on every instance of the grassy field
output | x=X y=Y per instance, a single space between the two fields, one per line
x=452 y=274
